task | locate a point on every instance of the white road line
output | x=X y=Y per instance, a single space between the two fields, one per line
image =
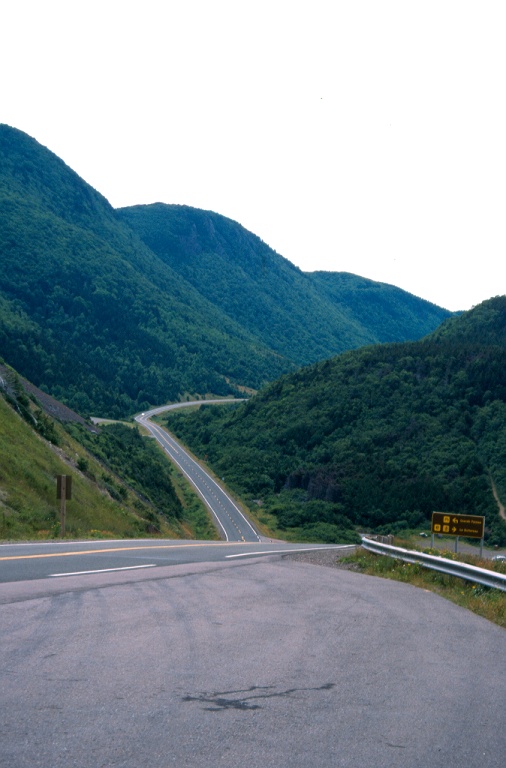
x=103 y=570
x=168 y=442
x=288 y=551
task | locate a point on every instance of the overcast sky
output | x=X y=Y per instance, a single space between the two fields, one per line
x=358 y=136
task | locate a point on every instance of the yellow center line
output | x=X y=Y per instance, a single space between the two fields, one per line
x=115 y=549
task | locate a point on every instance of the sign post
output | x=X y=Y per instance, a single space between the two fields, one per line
x=448 y=524
x=63 y=492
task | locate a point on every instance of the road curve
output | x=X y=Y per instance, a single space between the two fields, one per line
x=231 y=522
x=198 y=654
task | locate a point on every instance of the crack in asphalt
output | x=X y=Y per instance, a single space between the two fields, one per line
x=220 y=703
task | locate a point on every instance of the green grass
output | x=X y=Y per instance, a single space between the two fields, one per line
x=103 y=505
x=487 y=602
x=29 y=509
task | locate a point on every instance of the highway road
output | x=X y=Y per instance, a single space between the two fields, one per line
x=120 y=654
x=29 y=561
x=231 y=522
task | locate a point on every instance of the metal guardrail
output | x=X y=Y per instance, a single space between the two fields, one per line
x=451 y=567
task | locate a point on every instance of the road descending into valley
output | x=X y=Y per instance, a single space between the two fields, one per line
x=231 y=522
x=122 y=654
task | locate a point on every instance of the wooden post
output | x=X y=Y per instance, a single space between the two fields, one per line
x=63 y=492
x=63 y=505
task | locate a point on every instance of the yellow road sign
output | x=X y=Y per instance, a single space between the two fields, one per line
x=449 y=524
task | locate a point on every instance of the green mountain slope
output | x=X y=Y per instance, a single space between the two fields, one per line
x=390 y=313
x=122 y=485
x=303 y=316
x=88 y=311
x=379 y=436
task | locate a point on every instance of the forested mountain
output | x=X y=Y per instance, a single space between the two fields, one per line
x=112 y=311
x=90 y=313
x=303 y=316
x=378 y=437
x=389 y=313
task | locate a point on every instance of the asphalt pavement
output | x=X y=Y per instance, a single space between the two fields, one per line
x=158 y=653
x=231 y=522
x=37 y=561
x=258 y=661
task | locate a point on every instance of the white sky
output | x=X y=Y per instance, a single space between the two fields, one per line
x=359 y=136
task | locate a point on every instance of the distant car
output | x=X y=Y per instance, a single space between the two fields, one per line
x=499 y=557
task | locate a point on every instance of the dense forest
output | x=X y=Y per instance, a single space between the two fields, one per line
x=90 y=313
x=303 y=316
x=95 y=316
x=378 y=437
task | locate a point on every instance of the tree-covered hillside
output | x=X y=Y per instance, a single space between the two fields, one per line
x=90 y=313
x=303 y=316
x=112 y=311
x=391 y=313
x=381 y=436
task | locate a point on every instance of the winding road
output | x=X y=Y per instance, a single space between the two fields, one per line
x=120 y=654
x=231 y=522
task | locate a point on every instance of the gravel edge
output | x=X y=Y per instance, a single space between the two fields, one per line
x=329 y=558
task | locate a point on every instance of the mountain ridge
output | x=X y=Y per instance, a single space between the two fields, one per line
x=110 y=324
x=76 y=300
x=237 y=271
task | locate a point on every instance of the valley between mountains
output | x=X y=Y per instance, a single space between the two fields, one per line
x=366 y=407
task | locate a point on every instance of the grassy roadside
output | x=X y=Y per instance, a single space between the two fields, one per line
x=484 y=601
x=113 y=494
x=28 y=505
